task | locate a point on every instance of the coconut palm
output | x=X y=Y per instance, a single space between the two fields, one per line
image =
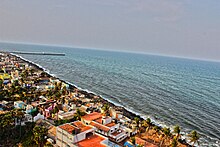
x=194 y=137
x=57 y=96
x=31 y=71
x=133 y=140
x=64 y=90
x=78 y=114
x=174 y=143
x=167 y=133
x=1 y=83
x=105 y=109
x=156 y=129
x=177 y=131
x=147 y=124
x=137 y=120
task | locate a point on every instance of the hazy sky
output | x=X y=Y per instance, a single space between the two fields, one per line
x=189 y=28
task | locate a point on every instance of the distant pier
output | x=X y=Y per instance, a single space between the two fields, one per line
x=39 y=53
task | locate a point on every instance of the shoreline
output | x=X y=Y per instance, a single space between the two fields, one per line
x=84 y=91
x=126 y=111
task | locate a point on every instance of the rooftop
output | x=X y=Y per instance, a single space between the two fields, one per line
x=117 y=133
x=67 y=127
x=100 y=126
x=81 y=126
x=94 y=140
x=92 y=116
x=77 y=126
x=67 y=114
x=52 y=130
x=99 y=120
x=110 y=124
x=140 y=141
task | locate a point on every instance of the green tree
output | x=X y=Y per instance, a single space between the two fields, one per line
x=105 y=108
x=156 y=129
x=133 y=140
x=194 y=137
x=147 y=124
x=167 y=133
x=39 y=135
x=1 y=83
x=78 y=114
x=64 y=90
x=177 y=131
x=137 y=120
x=174 y=143
x=19 y=115
x=56 y=110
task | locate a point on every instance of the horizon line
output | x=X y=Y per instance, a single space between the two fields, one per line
x=112 y=50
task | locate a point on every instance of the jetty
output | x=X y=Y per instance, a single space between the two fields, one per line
x=38 y=53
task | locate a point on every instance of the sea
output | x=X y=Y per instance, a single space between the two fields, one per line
x=171 y=91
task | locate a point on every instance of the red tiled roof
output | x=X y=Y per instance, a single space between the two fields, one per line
x=117 y=133
x=94 y=140
x=92 y=116
x=110 y=124
x=67 y=127
x=99 y=120
x=100 y=126
x=81 y=126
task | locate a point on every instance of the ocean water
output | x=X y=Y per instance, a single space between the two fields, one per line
x=169 y=90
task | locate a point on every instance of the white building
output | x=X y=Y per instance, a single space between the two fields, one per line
x=105 y=126
x=66 y=115
x=77 y=134
x=27 y=118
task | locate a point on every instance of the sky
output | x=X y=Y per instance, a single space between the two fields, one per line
x=186 y=28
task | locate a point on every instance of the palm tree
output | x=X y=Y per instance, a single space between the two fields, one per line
x=105 y=108
x=78 y=114
x=133 y=140
x=64 y=90
x=56 y=110
x=174 y=142
x=156 y=129
x=194 y=137
x=19 y=115
x=166 y=132
x=147 y=124
x=136 y=119
x=31 y=71
x=1 y=83
x=39 y=134
x=177 y=131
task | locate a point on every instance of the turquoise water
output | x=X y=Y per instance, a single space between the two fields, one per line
x=169 y=90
